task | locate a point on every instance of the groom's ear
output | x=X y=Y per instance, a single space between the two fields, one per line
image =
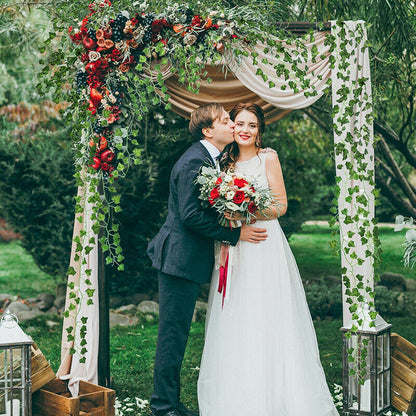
x=207 y=132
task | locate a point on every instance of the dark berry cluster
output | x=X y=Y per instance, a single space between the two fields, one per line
x=81 y=79
x=97 y=128
x=91 y=34
x=147 y=21
x=118 y=27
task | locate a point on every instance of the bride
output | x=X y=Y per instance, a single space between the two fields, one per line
x=261 y=355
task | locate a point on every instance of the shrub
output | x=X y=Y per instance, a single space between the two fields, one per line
x=324 y=300
x=37 y=191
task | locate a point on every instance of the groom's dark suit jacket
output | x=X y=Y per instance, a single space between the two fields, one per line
x=184 y=246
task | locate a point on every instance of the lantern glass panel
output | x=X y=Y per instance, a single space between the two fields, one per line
x=386 y=358
x=386 y=387
x=380 y=391
x=12 y=381
x=380 y=354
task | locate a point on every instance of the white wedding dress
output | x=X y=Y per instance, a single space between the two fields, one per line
x=261 y=356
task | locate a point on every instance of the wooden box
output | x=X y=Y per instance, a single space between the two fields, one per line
x=42 y=372
x=54 y=399
x=403 y=374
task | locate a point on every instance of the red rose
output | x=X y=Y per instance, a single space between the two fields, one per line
x=239 y=197
x=105 y=166
x=213 y=196
x=241 y=183
x=116 y=55
x=107 y=156
x=97 y=163
x=158 y=25
x=196 y=20
x=218 y=181
x=252 y=207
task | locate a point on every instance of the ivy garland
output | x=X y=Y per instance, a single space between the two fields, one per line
x=119 y=59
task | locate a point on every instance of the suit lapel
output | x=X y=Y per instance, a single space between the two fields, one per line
x=206 y=154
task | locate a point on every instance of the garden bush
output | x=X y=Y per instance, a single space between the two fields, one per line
x=324 y=300
x=37 y=191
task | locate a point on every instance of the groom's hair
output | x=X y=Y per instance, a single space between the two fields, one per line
x=204 y=117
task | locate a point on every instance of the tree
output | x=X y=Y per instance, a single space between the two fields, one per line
x=392 y=37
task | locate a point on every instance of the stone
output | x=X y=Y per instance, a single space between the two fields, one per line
x=32 y=301
x=148 y=306
x=51 y=324
x=4 y=297
x=122 y=320
x=393 y=281
x=53 y=310
x=59 y=302
x=410 y=285
x=135 y=298
x=127 y=309
x=116 y=301
x=44 y=301
x=27 y=315
x=200 y=311
x=60 y=290
x=17 y=306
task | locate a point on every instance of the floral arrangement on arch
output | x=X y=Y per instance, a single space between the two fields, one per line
x=111 y=47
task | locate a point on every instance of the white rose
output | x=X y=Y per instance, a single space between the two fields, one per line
x=94 y=56
x=189 y=39
x=230 y=195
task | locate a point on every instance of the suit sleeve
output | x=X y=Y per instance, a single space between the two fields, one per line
x=191 y=212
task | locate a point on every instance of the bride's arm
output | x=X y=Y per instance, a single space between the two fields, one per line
x=277 y=186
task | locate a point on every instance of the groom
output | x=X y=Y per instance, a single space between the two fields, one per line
x=183 y=253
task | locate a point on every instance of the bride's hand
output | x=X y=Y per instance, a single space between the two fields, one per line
x=236 y=216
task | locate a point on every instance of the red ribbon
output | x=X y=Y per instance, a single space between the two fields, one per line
x=222 y=283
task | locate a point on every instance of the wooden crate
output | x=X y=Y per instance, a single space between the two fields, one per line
x=54 y=399
x=42 y=372
x=403 y=374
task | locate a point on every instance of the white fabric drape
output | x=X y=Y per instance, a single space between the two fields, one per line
x=71 y=369
x=318 y=73
x=359 y=67
x=244 y=85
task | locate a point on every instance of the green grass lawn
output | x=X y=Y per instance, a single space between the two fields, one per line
x=315 y=259
x=133 y=348
x=19 y=275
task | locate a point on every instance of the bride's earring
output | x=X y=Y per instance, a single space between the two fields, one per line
x=257 y=142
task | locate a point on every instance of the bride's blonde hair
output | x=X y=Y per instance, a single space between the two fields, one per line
x=232 y=152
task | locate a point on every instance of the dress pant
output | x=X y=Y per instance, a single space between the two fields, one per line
x=177 y=298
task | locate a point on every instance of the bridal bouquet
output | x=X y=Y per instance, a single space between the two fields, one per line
x=232 y=193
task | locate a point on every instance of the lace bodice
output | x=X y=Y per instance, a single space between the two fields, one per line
x=254 y=168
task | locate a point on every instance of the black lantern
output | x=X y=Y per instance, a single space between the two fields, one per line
x=373 y=397
x=15 y=372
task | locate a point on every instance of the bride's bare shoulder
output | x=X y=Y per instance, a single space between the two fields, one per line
x=270 y=154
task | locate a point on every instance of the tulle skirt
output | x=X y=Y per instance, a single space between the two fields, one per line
x=261 y=355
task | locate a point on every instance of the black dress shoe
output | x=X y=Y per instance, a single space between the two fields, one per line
x=183 y=411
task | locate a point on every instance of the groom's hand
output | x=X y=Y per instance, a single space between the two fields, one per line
x=252 y=234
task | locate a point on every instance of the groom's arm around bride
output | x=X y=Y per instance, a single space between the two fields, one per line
x=183 y=253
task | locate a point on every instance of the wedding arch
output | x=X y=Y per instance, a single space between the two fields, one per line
x=127 y=62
